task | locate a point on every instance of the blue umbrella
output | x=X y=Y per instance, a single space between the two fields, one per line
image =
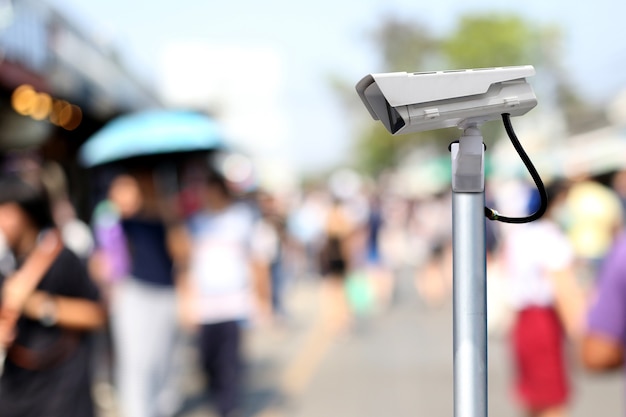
x=149 y=133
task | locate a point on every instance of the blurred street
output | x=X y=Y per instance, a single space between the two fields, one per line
x=207 y=222
x=396 y=364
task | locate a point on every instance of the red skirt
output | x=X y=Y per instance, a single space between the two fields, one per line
x=538 y=344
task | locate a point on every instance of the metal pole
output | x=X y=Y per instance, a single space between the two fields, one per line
x=469 y=287
x=470 y=310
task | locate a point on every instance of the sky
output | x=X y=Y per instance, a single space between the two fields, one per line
x=276 y=57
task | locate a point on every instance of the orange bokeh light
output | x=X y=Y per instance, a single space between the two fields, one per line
x=40 y=106
x=23 y=99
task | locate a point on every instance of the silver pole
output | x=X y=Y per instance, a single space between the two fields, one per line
x=470 y=309
x=469 y=271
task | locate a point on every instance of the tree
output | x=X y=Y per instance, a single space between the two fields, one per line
x=404 y=45
x=493 y=40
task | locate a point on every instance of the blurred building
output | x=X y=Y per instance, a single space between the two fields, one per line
x=58 y=83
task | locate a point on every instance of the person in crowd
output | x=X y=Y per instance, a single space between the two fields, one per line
x=7 y=261
x=369 y=284
x=592 y=217
x=224 y=284
x=335 y=256
x=271 y=239
x=434 y=277
x=29 y=166
x=539 y=263
x=604 y=339
x=76 y=234
x=618 y=184
x=306 y=225
x=110 y=261
x=48 y=309
x=377 y=265
x=134 y=264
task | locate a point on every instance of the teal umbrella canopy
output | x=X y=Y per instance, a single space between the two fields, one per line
x=151 y=132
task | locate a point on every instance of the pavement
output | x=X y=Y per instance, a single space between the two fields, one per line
x=400 y=364
x=395 y=363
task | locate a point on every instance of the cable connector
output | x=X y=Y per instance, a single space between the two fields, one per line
x=491 y=214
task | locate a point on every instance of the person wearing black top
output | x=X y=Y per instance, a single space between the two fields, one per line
x=47 y=366
x=143 y=306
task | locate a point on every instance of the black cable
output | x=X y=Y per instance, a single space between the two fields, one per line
x=494 y=215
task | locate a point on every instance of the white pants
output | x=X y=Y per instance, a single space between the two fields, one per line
x=145 y=337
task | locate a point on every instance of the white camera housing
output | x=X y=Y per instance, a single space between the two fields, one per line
x=415 y=102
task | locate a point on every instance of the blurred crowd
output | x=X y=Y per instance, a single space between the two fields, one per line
x=111 y=298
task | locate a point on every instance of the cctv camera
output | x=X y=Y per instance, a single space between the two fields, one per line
x=415 y=102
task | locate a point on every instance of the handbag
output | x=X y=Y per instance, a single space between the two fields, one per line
x=53 y=355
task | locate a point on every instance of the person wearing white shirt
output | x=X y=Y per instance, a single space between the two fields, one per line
x=224 y=283
x=537 y=256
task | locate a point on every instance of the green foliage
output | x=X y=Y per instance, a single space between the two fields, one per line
x=493 y=40
x=376 y=150
x=403 y=44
